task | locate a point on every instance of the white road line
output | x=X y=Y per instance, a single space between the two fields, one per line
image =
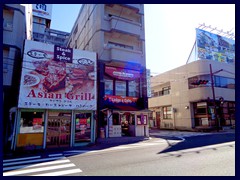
x=31 y=161
x=76 y=151
x=12 y=173
x=35 y=165
x=19 y=159
x=54 y=155
x=60 y=173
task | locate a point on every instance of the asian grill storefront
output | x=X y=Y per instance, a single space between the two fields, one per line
x=57 y=99
x=122 y=109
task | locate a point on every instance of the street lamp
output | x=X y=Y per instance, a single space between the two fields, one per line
x=213 y=92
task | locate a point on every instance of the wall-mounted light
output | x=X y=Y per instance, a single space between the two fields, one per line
x=186 y=107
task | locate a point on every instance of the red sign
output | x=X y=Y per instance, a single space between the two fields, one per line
x=37 y=121
x=120 y=99
x=83 y=121
x=120 y=73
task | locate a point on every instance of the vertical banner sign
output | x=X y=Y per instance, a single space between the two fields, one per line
x=214 y=47
x=148 y=83
x=55 y=77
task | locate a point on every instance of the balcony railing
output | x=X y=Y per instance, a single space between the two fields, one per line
x=126 y=26
x=50 y=39
x=135 y=6
x=123 y=54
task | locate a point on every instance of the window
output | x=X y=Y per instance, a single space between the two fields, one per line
x=5 y=58
x=76 y=30
x=155 y=94
x=31 y=122
x=116 y=120
x=133 y=88
x=200 y=108
x=8 y=19
x=167 y=112
x=120 y=88
x=193 y=82
x=120 y=45
x=166 y=90
x=224 y=82
x=163 y=92
x=108 y=86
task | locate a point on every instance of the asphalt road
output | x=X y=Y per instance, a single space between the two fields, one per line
x=211 y=155
x=203 y=155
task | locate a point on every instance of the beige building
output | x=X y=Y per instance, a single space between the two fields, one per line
x=116 y=33
x=179 y=101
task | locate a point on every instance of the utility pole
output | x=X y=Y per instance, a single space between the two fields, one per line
x=214 y=100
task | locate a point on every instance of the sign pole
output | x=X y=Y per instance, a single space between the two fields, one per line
x=214 y=100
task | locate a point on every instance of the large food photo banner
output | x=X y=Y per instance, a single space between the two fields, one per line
x=214 y=47
x=55 y=77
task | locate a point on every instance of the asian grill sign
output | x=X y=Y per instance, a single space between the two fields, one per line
x=56 y=77
x=214 y=47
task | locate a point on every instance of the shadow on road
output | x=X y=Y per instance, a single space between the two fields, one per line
x=199 y=141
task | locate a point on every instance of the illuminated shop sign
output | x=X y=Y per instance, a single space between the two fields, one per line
x=120 y=100
x=53 y=78
x=214 y=47
x=42 y=10
x=122 y=74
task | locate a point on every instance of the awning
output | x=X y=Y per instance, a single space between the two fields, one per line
x=130 y=108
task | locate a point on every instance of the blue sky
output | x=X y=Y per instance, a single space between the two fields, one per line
x=169 y=29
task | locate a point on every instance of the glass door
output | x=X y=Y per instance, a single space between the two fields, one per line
x=58 y=129
x=82 y=127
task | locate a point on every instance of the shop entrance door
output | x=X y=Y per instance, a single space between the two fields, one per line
x=58 y=131
x=128 y=124
x=158 y=120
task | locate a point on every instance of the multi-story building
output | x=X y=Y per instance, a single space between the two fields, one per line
x=41 y=26
x=200 y=94
x=14 y=34
x=116 y=33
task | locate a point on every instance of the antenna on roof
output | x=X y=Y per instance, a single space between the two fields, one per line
x=227 y=34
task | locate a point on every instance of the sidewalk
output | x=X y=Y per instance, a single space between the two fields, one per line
x=102 y=143
x=154 y=132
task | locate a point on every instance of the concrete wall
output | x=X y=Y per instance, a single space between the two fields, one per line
x=181 y=96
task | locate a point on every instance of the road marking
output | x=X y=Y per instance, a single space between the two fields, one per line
x=77 y=151
x=12 y=173
x=31 y=161
x=54 y=155
x=60 y=173
x=19 y=159
x=54 y=166
x=35 y=165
